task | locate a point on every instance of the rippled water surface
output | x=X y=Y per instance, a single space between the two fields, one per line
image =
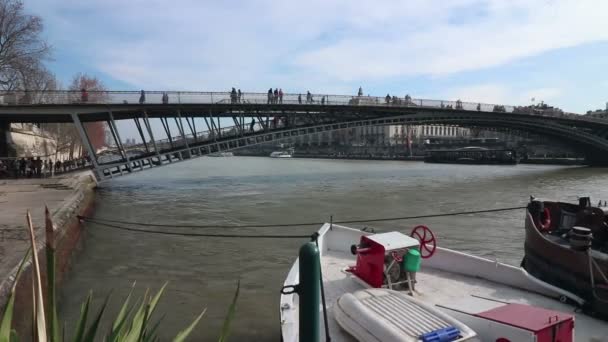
x=202 y=272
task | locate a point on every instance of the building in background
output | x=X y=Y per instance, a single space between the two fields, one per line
x=598 y=113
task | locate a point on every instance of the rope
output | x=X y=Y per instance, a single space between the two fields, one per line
x=204 y=235
x=105 y=221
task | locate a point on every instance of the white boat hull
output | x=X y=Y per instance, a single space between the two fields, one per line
x=280 y=155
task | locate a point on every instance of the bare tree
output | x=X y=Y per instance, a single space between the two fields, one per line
x=22 y=49
x=22 y=53
x=95 y=89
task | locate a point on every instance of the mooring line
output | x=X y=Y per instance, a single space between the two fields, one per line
x=301 y=224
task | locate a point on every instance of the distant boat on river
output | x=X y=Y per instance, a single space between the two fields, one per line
x=472 y=155
x=281 y=154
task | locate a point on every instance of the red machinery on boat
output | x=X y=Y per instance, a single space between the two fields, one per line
x=567 y=246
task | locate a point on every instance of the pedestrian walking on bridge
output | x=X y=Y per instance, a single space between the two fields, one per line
x=299 y=98
x=281 y=96
x=142 y=97
x=269 y=96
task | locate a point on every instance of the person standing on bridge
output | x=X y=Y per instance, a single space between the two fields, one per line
x=276 y=96
x=323 y=101
x=233 y=96
x=360 y=93
x=281 y=96
x=299 y=98
x=252 y=124
x=269 y=96
x=238 y=95
x=165 y=98
x=84 y=96
x=479 y=107
x=458 y=104
x=388 y=99
x=308 y=97
x=142 y=97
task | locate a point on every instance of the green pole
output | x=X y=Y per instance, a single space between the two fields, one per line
x=310 y=293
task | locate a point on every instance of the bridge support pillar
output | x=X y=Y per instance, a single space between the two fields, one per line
x=149 y=128
x=84 y=138
x=180 y=126
x=121 y=147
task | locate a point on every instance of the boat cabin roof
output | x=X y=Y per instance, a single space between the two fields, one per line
x=393 y=240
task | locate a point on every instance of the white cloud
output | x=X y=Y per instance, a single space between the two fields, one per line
x=509 y=30
x=325 y=45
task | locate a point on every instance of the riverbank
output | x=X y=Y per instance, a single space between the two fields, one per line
x=66 y=197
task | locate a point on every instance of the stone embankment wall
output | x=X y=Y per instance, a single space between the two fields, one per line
x=29 y=144
x=29 y=141
x=77 y=193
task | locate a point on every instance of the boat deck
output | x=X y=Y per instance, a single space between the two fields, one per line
x=443 y=289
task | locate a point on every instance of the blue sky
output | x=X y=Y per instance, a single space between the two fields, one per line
x=494 y=51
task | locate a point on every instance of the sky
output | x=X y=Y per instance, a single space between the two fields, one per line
x=490 y=51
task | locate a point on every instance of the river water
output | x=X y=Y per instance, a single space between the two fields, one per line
x=203 y=272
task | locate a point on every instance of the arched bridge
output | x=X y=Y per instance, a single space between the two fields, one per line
x=261 y=118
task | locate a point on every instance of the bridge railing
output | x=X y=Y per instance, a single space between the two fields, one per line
x=67 y=97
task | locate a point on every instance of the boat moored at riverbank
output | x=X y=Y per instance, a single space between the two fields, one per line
x=567 y=246
x=375 y=287
x=472 y=155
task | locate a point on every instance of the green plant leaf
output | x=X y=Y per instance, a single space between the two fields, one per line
x=119 y=326
x=142 y=320
x=182 y=335
x=137 y=323
x=82 y=320
x=7 y=316
x=14 y=336
x=92 y=331
x=151 y=335
x=5 y=326
x=156 y=298
x=230 y=315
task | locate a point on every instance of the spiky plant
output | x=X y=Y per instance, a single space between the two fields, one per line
x=127 y=326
